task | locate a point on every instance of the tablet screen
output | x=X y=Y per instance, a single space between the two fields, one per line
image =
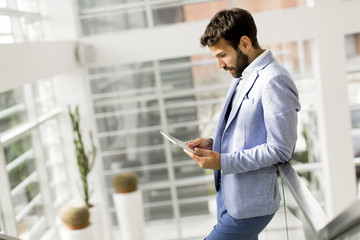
x=178 y=143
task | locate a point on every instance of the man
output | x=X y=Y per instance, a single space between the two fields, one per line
x=256 y=129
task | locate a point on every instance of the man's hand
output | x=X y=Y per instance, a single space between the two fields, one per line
x=203 y=146
x=203 y=143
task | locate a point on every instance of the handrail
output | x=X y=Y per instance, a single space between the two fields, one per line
x=7 y=237
x=323 y=228
x=342 y=223
x=311 y=209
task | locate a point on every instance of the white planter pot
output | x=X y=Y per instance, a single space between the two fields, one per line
x=96 y=221
x=79 y=234
x=130 y=214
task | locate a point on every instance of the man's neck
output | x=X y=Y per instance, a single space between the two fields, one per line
x=254 y=54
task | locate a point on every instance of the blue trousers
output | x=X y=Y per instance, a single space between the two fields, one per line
x=229 y=228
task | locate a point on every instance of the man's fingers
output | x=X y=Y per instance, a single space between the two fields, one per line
x=201 y=151
x=193 y=143
x=192 y=155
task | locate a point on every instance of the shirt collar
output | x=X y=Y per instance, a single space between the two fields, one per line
x=251 y=66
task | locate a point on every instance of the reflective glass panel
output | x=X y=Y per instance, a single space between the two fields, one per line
x=24 y=183
x=86 y=4
x=6 y=39
x=122 y=141
x=352 y=50
x=264 y=5
x=159 y=213
x=170 y=13
x=150 y=116
x=28 y=5
x=31 y=29
x=55 y=161
x=44 y=96
x=12 y=109
x=5 y=24
x=114 y=22
x=11 y=98
x=24 y=196
x=3 y=3
x=156 y=195
x=193 y=200
x=17 y=148
x=27 y=223
x=130 y=159
x=137 y=79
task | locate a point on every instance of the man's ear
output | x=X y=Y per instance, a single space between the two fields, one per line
x=245 y=44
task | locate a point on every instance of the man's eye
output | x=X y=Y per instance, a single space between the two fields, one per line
x=222 y=55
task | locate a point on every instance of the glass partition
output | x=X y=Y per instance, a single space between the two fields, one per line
x=3 y=3
x=12 y=109
x=113 y=16
x=34 y=158
x=24 y=183
x=5 y=28
x=352 y=50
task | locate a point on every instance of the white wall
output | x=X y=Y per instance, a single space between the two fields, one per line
x=24 y=63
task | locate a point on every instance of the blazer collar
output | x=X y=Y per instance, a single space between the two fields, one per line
x=249 y=82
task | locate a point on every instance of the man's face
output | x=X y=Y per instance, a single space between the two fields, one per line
x=230 y=59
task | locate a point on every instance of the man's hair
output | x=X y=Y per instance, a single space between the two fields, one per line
x=230 y=24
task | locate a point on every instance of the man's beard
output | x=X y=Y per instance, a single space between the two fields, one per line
x=242 y=61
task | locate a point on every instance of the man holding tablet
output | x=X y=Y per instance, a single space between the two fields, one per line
x=256 y=130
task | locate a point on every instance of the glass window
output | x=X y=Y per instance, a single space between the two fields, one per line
x=32 y=147
x=137 y=80
x=129 y=117
x=86 y=4
x=5 y=24
x=24 y=183
x=256 y=6
x=31 y=29
x=51 y=141
x=3 y=3
x=124 y=16
x=186 y=11
x=44 y=96
x=195 y=11
x=352 y=50
x=114 y=22
x=5 y=29
x=168 y=15
x=12 y=109
x=28 y=5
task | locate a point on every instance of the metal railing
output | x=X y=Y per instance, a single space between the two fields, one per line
x=7 y=237
x=321 y=226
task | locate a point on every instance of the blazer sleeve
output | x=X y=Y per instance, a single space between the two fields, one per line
x=280 y=106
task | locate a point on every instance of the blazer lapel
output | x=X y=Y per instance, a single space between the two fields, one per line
x=248 y=85
x=236 y=105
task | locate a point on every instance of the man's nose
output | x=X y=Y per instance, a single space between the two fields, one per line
x=221 y=63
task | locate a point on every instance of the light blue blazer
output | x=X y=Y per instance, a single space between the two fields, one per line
x=261 y=131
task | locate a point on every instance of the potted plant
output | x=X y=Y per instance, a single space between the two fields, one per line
x=85 y=161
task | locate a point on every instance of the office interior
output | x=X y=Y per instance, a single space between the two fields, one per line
x=134 y=68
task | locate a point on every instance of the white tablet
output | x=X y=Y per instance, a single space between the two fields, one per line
x=179 y=143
